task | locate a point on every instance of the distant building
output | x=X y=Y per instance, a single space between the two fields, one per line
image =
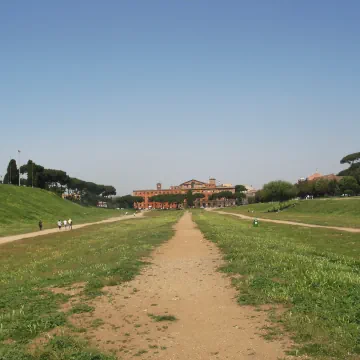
x=72 y=196
x=196 y=186
x=317 y=176
x=102 y=204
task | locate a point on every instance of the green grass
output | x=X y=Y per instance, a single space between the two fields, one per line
x=98 y=255
x=81 y=308
x=159 y=318
x=314 y=273
x=21 y=208
x=329 y=212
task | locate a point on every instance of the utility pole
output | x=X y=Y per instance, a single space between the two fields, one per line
x=32 y=174
x=10 y=179
x=19 y=165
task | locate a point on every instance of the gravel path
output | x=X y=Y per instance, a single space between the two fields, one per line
x=181 y=281
x=347 y=229
x=11 y=238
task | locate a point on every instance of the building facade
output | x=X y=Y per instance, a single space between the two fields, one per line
x=317 y=176
x=196 y=186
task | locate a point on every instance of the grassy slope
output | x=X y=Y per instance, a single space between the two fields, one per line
x=331 y=212
x=21 y=209
x=313 y=272
x=97 y=255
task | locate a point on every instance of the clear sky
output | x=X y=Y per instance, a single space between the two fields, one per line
x=129 y=93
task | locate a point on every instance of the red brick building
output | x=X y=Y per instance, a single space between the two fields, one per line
x=195 y=185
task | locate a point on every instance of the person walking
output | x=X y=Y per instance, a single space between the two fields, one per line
x=70 y=224
x=65 y=224
x=40 y=225
x=59 y=224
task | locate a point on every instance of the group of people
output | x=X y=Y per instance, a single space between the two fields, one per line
x=66 y=223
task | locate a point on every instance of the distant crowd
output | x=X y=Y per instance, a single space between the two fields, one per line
x=66 y=224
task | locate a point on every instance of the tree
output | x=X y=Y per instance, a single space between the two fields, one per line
x=321 y=187
x=32 y=170
x=333 y=188
x=349 y=184
x=351 y=158
x=127 y=201
x=12 y=173
x=190 y=199
x=305 y=188
x=278 y=191
x=198 y=196
x=239 y=196
x=109 y=190
x=353 y=170
x=240 y=188
x=222 y=195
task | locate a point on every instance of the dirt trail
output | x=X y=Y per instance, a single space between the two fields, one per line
x=182 y=281
x=11 y=238
x=245 y=217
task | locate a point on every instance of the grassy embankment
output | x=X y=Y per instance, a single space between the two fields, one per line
x=330 y=212
x=314 y=273
x=21 y=208
x=97 y=255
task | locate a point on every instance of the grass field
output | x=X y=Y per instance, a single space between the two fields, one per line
x=312 y=273
x=330 y=212
x=98 y=255
x=21 y=208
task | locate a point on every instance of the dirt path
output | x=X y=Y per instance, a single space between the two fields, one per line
x=347 y=229
x=11 y=238
x=182 y=281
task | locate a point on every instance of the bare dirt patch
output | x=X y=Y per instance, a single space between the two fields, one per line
x=180 y=307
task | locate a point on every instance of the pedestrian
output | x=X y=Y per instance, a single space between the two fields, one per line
x=70 y=224
x=65 y=224
x=59 y=224
x=40 y=225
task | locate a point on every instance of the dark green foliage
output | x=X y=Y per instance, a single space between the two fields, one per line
x=12 y=173
x=190 y=198
x=240 y=188
x=348 y=184
x=222 y=195
x=126 y=202
x=198 y=196
x=58 y=181
x=350 y=159
x=169 y=198
x=278 y=191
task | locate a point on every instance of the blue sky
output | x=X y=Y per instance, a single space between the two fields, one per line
x=129 y=93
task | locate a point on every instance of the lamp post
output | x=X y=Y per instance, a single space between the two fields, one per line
x=19 y=165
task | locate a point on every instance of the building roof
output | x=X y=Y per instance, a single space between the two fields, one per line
x=327 y=177
x=193 y=180
x=314 y=176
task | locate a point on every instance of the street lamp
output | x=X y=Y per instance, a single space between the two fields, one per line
x=19 y=165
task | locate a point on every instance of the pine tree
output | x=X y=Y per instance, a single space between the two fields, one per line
x=12 y=173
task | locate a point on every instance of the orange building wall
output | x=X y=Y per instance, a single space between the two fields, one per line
x=146 y=194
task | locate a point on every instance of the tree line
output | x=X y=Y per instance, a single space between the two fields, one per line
x=57 y=181
x=349 y=184
x=191 y=197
